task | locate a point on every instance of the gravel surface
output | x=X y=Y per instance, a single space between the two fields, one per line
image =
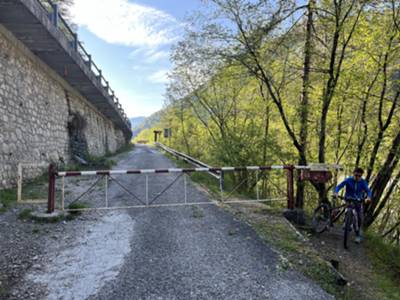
x=185 y=252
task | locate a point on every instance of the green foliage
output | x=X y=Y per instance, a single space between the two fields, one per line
x=386 y=262
x=237 y=91
x=77 y=206
x=25 y=214
x=8 y=198
x=98 y=162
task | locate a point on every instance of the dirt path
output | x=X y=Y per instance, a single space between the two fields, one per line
x=187 y=252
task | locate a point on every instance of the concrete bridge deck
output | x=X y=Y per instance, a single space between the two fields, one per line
x=38 y=25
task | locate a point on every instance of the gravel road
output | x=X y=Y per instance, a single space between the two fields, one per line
x=199 y=252
x=179 y=252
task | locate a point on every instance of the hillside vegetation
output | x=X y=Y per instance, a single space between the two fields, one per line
x=265 y=82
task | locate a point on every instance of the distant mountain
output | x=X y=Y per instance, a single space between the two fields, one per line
x=140 y=123
x=137 y=121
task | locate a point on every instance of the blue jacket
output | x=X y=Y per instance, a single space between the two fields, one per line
x=354 y=189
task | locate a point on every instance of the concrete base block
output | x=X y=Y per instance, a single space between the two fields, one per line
x=295 y=215
x=46 y=217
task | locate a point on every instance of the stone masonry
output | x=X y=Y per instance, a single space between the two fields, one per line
x=42 y=118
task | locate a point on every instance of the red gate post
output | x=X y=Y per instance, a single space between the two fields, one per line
x=52 y=189
x=290 y=187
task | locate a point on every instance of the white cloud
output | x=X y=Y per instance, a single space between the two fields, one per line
x=149 y=55
x=125 y=23
x=159 y=77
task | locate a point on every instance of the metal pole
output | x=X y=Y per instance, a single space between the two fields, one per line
x=51 y=190
x=19 y=191
x=221 y=185
x=257 y=191
x=290 y=187
x=62 y=193
x=106 y=189
x=147 y=189
x=185 y=188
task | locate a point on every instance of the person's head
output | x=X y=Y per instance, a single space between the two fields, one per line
x=357 y=173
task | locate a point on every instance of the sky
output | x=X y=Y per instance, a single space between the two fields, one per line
x=130 y=40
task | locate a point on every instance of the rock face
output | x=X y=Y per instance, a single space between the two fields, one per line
x=42 y=118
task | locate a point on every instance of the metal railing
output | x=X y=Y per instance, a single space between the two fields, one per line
x=60 y=23
x=187 y=158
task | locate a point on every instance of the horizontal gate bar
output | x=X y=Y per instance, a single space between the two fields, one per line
x=178 y=170
x=171 y=170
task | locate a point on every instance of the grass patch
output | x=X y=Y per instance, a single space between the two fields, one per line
x=36 y=188
x=25 y=214
x=98 y=162
x=298 y=254
x=386 y=262
x=77 y=205
x=197 y=212
x=8 y=198
x=3 y=292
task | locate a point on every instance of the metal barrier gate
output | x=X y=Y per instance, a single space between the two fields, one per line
x=147 y=201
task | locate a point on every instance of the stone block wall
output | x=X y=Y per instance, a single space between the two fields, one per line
x=38 y=111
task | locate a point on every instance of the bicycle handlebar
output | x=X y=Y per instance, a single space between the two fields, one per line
x=348 y=198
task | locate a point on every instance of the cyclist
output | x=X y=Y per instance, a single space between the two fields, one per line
x=356 y=188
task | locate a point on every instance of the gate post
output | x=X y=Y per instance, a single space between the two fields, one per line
x=52 y=189
x=290 y=186
x=221 y=184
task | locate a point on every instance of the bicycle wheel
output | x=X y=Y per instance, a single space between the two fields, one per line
x=348 y=221
x=321 y=218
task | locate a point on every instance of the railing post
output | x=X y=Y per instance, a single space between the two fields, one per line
x=99 y=77
x=75 y=41
x=290 y=187
x=89 y=62
x=54 y=15
x=52 y=189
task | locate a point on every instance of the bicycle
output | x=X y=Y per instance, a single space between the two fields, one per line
x=326 y=214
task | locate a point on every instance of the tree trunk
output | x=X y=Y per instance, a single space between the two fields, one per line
x=381 y=180
x=304 y=104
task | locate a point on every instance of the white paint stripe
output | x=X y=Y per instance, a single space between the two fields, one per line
x=301 y=167
x=277 y=167
x=176 y=170
x=148 y=171
x=253 y=168
x=116 y=172
x=228 y=169
x=88 y=173
x=202 y=169
x=172 y=170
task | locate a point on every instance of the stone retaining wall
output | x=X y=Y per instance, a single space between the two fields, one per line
x=42 y=118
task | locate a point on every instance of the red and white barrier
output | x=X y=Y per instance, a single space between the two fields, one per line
x=170 y=170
